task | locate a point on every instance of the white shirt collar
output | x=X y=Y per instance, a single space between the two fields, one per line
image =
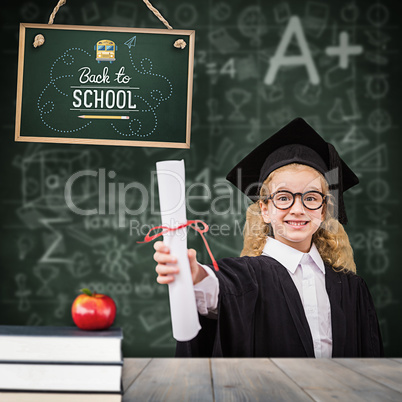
x=288 y=256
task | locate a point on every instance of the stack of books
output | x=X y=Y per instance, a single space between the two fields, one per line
x=60 y=364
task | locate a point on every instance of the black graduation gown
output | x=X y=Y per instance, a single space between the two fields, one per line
x=260 y=314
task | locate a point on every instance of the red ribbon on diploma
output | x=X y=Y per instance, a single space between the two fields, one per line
x=191 y=224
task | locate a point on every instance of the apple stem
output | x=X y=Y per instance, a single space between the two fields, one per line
x=87 y=292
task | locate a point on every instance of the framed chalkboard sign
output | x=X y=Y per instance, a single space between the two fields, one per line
x=104 y=85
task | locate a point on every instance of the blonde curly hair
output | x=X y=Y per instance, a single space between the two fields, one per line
x=330 y=239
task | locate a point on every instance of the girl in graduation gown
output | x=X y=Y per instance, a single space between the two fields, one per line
x=294 y=291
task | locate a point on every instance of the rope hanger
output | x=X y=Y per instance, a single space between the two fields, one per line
x=40 y=39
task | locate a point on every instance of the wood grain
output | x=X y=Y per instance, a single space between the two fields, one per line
x=172 y=380
x=384 y=371
x=352 y=380
x=131 y=369
x=325 y=379
x=90 y=141
x=109 y=29
x=252 y=380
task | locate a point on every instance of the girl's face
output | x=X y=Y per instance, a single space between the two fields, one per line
x=296 y=225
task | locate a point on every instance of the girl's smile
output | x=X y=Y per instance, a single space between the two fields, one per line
x=297 y=224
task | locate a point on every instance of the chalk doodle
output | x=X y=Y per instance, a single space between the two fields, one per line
x=58 y=86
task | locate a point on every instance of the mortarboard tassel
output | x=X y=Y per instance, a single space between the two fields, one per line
x=336 y=163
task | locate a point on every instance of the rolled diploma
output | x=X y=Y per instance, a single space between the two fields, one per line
x=183 y=309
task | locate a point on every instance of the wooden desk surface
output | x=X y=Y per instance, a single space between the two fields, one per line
x=169 y=379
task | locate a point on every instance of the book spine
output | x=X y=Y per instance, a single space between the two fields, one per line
x=60 y=363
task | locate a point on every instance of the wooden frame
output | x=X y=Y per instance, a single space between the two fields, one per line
x=21 y=138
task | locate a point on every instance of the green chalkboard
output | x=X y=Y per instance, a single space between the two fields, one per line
x=111 y=86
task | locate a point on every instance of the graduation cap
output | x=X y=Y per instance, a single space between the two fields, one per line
x=297 y=142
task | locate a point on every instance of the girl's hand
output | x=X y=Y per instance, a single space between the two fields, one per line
x=166 y=273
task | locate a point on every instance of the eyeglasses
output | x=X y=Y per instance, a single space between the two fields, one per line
x=283 y=199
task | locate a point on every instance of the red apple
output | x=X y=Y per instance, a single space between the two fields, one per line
x=93 y=311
